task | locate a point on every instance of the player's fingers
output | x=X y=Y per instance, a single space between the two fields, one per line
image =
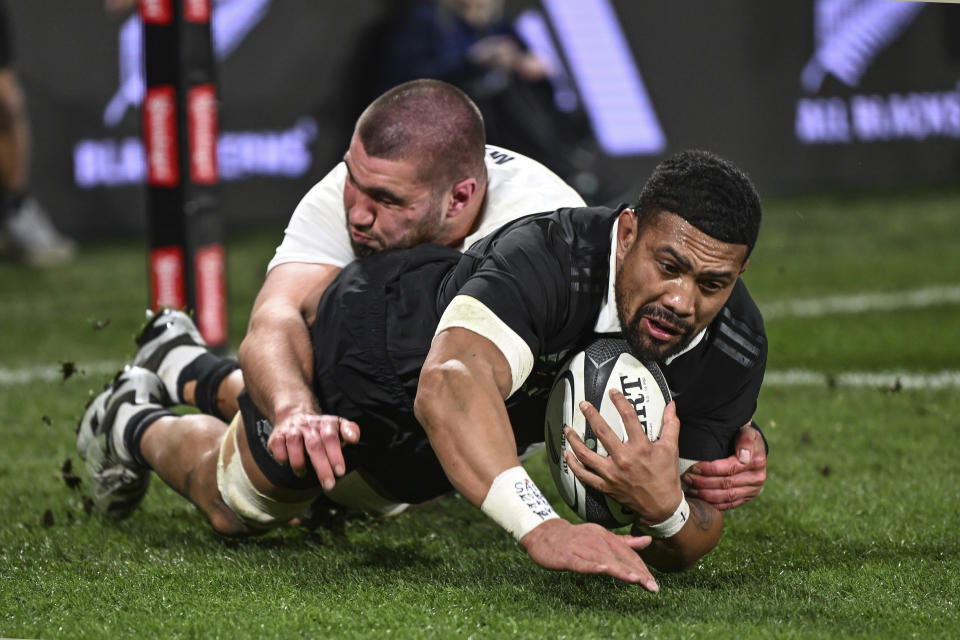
x=584 y=455
x=601 y=429
x=607 y=563
x=330 y=437
x=726 y=506
x=745 y=478
x=585 y=475
x=295 y=453
x=349 y=431
x=314 y=444
x=605 y=435
x=628 y=565
x=631 y=423
x=719 y=497
x=722 y=467
x=636 y=542
x=278 y=447
x=670 y=432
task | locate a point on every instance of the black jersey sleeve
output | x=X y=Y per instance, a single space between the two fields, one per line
x=717 y=387
x=544 y=277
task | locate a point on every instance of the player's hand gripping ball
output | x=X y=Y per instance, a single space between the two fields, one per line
x=605 y=364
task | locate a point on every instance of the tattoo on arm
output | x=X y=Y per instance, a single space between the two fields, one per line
x=701 y=514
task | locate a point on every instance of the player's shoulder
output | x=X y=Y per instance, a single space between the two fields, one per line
x=738 y=329
x=328 y=190
x=512 y=175
x=580 y=228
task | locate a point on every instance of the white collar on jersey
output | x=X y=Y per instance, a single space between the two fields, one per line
x=609 y=322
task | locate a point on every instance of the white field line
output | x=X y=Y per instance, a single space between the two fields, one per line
x=52 y=373
x=854 y=303
x=784 y=378
x=858 y=303
x=879 y=379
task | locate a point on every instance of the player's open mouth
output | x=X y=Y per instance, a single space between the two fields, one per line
x=659 y=330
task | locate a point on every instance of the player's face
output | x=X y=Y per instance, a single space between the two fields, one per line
x=386 y=205
x=672 y=280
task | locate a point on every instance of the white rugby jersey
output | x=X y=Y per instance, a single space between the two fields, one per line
x=517 y=186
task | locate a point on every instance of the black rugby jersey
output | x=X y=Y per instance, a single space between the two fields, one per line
x=546 y=276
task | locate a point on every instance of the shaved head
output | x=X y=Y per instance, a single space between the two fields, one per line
x=431 y=123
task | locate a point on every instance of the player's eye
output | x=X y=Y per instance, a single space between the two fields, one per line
x=669 y=268
x=711 y=286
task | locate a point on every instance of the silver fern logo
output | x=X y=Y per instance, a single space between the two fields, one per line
x=849 y=34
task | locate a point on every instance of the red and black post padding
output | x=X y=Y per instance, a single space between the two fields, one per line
x=187 y=257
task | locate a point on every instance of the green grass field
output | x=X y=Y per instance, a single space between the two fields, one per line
x=857 y=533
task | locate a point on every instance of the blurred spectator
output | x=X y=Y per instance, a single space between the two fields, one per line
x=469 y=44
x=26 y=228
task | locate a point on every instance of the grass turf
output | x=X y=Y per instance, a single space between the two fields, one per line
x=856 y=533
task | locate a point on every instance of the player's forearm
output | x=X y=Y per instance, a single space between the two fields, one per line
x=698 y=536
x=468 y=427
x=277 y=361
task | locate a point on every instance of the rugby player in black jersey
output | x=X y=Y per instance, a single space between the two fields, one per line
x=512 y=306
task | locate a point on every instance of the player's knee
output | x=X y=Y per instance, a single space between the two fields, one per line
x=226 y=523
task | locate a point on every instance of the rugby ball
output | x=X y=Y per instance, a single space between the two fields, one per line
x=605 y=364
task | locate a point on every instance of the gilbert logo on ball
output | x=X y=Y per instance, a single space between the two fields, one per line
x=606 y=363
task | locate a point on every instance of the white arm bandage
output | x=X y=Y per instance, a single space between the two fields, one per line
x=672 y=525
x=467 y=312
x=515 y=503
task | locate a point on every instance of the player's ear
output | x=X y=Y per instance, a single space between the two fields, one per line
x=743 y=267
x=627 y=229
x=461 y=196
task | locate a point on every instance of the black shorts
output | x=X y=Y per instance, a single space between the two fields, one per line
x=373 y=330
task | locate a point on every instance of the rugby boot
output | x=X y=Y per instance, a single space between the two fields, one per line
x=118 y=481
x=167 y=331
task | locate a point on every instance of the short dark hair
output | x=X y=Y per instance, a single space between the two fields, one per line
x=708 y=192
x=430 y=121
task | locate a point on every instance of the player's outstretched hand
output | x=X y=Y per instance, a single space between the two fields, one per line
x=730 y=482
x=637 y=473
x=589 y=548
x=303 y=438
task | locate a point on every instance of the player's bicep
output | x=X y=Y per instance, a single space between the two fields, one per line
x=470 y=330
x=294 y=287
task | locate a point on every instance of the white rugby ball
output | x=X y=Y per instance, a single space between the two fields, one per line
x=605 y=364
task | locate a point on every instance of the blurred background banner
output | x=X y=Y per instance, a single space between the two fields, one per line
x=803 y=93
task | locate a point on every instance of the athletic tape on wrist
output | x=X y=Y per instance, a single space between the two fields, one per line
x=672 y=525
x=515 y=503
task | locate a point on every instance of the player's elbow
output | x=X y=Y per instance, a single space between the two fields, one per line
x=696 y=539
x=677 y=559
x=438 y=389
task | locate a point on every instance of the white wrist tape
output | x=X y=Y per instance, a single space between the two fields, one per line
x=515 y=503
x=672 y=525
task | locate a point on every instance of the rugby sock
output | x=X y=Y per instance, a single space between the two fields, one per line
x=209 y=371
x=135 y=419
x=173 y=365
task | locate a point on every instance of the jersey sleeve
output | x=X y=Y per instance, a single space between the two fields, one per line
x=538 y=284
x=519 y=186
x=724 y=398
x=317 y=231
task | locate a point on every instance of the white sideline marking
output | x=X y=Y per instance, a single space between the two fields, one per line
x=880 y=379
x=858 y=303
x=784 y=378
x=854 y=303
x=54 y=372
